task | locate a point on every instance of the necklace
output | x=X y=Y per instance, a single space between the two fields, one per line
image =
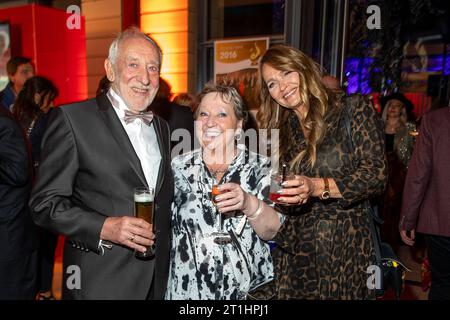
x=392 y=127
x=218 y=169
x=221 y=169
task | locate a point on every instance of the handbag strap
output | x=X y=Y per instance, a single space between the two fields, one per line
x=373 y=211
x=374 y=232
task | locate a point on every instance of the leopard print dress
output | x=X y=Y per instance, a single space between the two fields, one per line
x=324 y=247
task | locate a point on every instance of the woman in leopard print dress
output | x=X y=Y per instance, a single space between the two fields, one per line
x=324 y=246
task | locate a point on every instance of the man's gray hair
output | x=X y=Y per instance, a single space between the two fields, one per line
x=132 y=32
x=228 y=95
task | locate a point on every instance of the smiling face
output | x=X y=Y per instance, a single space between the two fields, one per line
x=283 y=86
x=216 y=122
x=135 y=75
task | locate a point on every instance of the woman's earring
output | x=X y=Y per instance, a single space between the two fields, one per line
x=238 y=135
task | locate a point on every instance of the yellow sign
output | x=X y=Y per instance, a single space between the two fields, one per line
x=232 y=52
x=236 y=64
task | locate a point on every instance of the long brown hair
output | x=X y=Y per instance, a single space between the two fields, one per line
x=313 y=94
x=25 y=107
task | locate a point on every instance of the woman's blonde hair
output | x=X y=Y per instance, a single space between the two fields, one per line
x=313 y=94
x=403 y=113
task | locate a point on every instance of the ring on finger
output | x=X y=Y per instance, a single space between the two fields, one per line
x=132 y=237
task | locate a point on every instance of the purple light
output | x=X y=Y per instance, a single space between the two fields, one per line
x=358 y=77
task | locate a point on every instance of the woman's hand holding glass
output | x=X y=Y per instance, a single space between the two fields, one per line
x=232 y=198
x=296 y=190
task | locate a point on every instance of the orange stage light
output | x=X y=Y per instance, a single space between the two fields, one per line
x=152 y=6
x=167 y=22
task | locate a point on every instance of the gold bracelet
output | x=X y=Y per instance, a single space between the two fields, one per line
x=257 y=212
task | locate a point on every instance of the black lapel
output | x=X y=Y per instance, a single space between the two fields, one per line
x=162 y=144
x=120 y=135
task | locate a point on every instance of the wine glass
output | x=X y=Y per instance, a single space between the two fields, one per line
x=221 y=236
x=277 y=177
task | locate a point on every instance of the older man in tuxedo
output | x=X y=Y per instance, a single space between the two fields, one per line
x=426 y=198
x=94 y=154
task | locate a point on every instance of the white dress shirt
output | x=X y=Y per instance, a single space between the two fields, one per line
x=142 y=137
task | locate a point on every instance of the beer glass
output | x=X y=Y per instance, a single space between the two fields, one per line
x=144 y=209
x=221 y=236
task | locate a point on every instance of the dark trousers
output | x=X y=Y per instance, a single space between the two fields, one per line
x=439 y=258
x=18 y=277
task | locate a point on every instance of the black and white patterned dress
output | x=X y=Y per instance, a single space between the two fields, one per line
x=200 y=268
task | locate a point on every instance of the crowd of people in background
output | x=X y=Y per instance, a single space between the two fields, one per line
x=32 y=108
x=68 y=170
x=28 y=100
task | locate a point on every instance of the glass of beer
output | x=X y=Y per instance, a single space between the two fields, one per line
x=144 y=209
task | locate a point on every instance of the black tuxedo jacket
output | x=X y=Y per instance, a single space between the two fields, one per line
x=87 y=173
x=18 y=238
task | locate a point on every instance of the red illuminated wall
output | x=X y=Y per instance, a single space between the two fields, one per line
x=58 y=53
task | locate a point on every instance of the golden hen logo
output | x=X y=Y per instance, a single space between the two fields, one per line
x=255 y=54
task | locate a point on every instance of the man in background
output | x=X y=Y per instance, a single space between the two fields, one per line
x=178 y=117
x=19 y=70
x=426 y=198
x=332 y=83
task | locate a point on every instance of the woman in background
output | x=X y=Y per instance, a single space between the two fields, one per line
x=399 y=136
x=32 y=108
x=185 y=99
x=399 y=132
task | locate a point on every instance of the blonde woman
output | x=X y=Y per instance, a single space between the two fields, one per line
x=324 y=246
x=399 y=132
x=399 y=138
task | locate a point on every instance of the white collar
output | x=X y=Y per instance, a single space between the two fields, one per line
x=116 y=100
